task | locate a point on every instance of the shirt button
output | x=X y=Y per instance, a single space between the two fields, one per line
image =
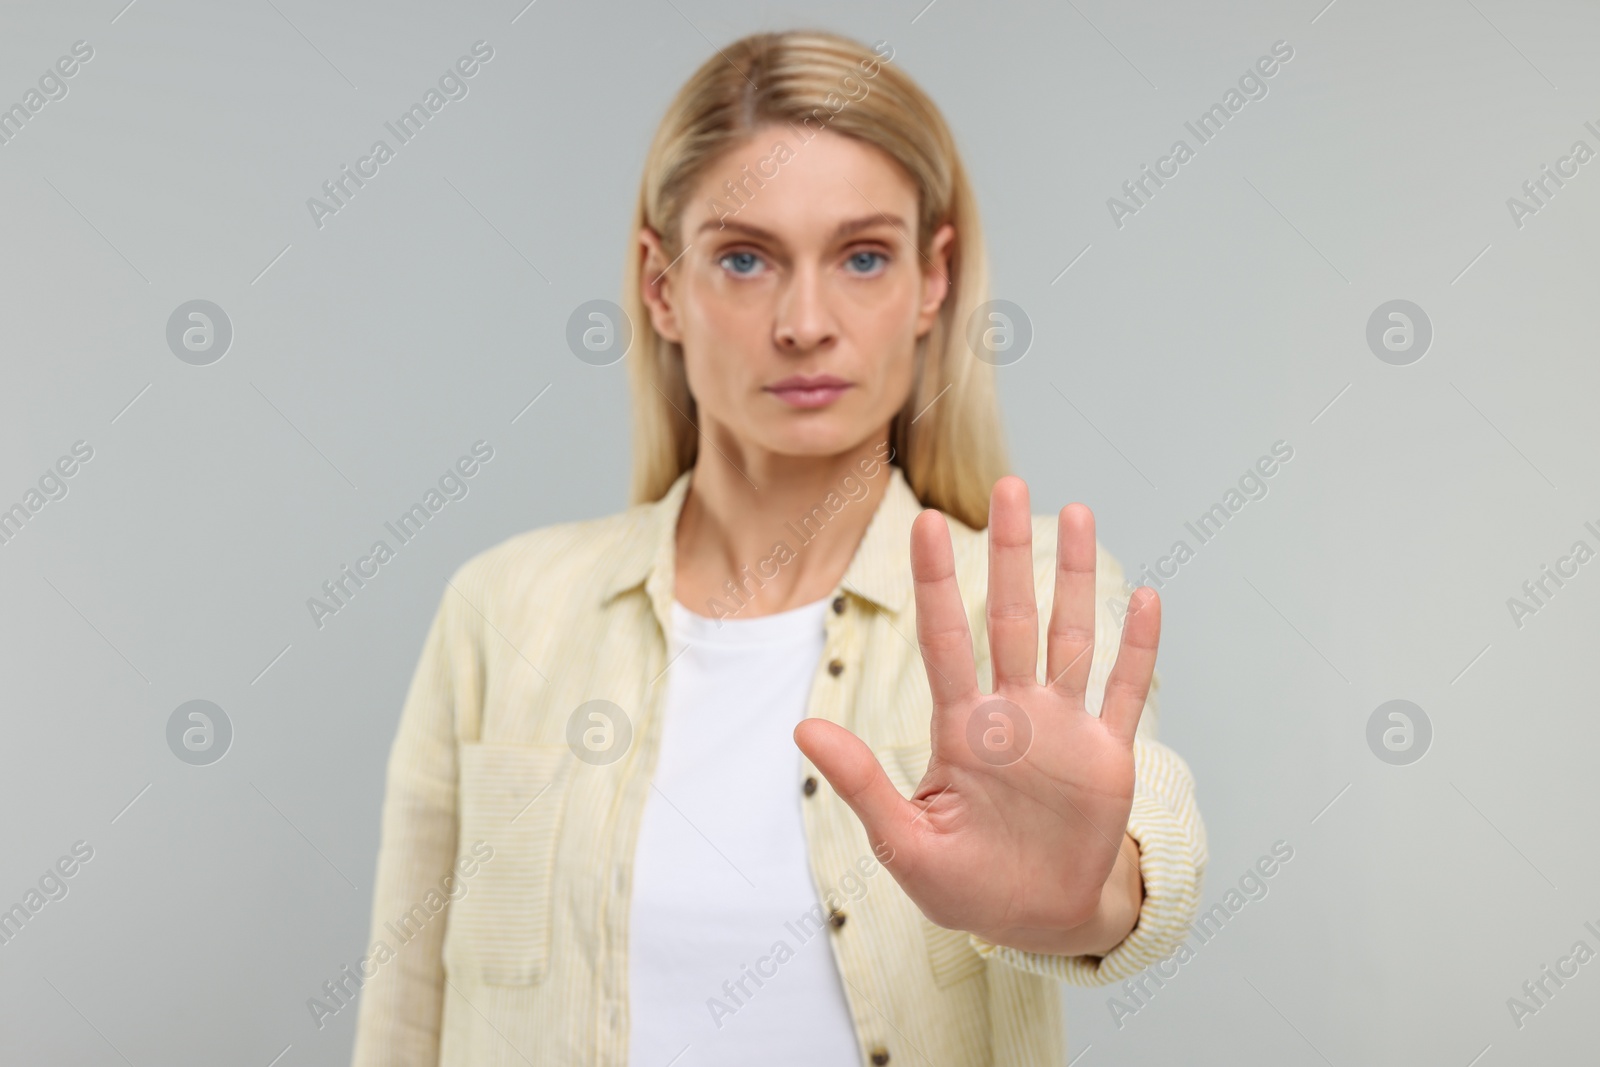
x=838 y=605
x=836 y=917
x=810 y=786
x=880 y=1056
x=836 y=667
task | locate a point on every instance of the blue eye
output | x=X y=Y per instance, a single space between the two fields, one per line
x=741 y=262
x=866 y=260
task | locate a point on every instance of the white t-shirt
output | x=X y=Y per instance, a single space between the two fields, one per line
x=720 y=871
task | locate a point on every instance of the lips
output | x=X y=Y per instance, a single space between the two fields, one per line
x=809 y=391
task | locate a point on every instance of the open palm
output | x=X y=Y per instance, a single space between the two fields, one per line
x=1017 y=824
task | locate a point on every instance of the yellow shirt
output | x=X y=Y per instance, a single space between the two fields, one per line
x=499 y=926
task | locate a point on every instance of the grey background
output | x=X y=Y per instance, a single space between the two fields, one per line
x=1228 y=314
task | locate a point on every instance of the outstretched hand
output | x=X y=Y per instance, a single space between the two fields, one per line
x=1015 y=830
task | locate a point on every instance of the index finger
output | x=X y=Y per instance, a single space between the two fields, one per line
x=942 y=631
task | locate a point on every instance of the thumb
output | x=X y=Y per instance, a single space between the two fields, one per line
x=857 y=776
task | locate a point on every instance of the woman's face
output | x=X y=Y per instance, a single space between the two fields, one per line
x=799 y=311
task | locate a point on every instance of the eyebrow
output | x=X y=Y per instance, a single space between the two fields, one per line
x=844 y=229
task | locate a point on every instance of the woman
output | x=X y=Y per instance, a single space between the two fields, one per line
x=653 y=767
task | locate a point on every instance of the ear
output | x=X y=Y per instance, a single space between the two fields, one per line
x=655 y=285
x=936 y=277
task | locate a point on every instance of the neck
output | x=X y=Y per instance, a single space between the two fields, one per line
x=783 y=530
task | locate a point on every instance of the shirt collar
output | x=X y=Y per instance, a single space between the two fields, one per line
x=880 y=571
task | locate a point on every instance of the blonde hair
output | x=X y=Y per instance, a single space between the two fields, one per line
x=955 y=451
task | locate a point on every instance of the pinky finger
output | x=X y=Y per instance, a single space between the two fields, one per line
x=1129 y=683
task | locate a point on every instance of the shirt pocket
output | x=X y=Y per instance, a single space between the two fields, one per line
x=511 y=799
x=951 y=957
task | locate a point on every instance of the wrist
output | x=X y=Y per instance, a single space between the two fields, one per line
x=1122 y=897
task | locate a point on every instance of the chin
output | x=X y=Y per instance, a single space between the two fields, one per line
x=810 y=447
x=817 y=440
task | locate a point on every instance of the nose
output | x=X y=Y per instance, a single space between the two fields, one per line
x=803 y=320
